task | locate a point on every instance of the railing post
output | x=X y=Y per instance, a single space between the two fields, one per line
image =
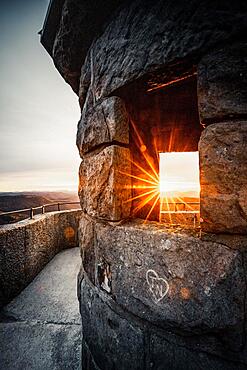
x=31 y=211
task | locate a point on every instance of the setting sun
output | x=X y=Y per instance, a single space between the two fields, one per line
x=179 y=173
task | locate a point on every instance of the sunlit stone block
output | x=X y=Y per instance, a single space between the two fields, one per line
x=104 y=123
x=105 y=185
x=223 y=177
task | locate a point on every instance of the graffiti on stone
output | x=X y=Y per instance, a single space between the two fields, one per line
x=158 y=286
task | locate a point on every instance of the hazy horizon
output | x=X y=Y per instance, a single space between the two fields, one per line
x=179 y=174
x=39 y=111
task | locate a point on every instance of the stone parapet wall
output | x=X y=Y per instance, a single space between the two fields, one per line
x=151 y=296
x=27 y=246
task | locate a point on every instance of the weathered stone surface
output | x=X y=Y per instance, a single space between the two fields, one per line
x=174 y=279
x=108 y=327
x=39 y=346
x=222 y=83
x=79 y=23
x=87 y=239
x=27 y=246
x=41 y=327
x=109 y=337
x=155 y=298
x=12 y=262
x=52 y=295
x=166 y=355
x=106 y=122
x=88 y=362
x=223 y=177
x=145 y=30
x=147 y=36
x=104 y=186
x=233 y=241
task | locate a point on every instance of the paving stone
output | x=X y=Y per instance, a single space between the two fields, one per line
x=41 y=328
x=38 y=346
x=52 y=295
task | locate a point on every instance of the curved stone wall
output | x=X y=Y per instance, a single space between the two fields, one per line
x=27 y=246
x=146 y=43
x=153 y=297
x=157 y=298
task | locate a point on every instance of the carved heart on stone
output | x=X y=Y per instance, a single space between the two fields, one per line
x=158 y=286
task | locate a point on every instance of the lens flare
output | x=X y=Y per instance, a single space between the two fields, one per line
x=151 y=188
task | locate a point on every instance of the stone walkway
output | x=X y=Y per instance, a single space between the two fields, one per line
x=41 y=328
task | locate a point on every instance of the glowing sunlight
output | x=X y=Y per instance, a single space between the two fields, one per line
x=179 y=174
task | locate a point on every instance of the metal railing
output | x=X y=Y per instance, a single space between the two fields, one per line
x=33 y=210
x=175 y=207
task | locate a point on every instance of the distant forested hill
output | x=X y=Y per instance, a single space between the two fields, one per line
x=22 y=200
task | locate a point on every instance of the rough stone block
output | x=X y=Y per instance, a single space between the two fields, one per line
x=104 y=187
x=104 y=123
x=155 y=35
x=174 y=279
x=223 y=177
x=86 y=242
x=109 y=336
x=233 y=241
x=222 y=83
x=172 y=356
x=140 y=37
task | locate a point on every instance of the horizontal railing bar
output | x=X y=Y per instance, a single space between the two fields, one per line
x=55 y=204
x=16 y=211
x=192 y=212
x=181 y=203
x=35 y=208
